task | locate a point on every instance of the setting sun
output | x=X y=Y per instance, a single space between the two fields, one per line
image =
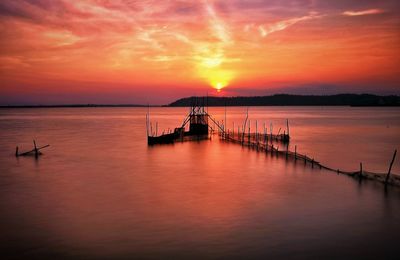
x=219 y=86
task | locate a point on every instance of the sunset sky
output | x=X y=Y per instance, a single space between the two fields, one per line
x=144 y=51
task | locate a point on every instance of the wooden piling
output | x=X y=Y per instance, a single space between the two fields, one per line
x=16 y=151
x=36 y=150
x=287 y=126
x=295 y=152
x=390 y=167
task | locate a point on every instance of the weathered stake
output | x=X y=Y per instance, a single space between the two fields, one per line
x=36 y=150
x=390 y=167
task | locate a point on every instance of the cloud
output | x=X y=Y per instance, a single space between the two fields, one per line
x=363 y=12
x=266 y=30
x=217 y=25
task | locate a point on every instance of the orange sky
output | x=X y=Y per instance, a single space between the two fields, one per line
x=99 y=51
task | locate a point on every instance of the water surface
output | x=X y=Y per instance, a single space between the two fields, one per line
x=100 y=192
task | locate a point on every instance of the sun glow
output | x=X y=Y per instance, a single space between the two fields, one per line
x=219 y=86
x=218 y=78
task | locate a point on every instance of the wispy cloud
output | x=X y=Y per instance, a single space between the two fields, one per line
x=363 y=12
x=266 y=30
x=217 y=25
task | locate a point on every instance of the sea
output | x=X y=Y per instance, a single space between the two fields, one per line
x=100 y=192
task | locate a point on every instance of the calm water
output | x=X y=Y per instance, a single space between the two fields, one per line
x=100 y=192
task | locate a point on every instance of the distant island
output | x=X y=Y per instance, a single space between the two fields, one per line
x=357 y=100
x=296 y=100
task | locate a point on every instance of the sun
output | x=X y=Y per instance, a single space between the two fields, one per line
x=219 y=86
x=219 y=78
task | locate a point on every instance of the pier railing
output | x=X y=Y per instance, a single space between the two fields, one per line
x=278 y=145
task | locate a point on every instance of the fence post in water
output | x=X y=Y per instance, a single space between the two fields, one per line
x=287 y=126
x=16 y=151
x=249 y=136
x=295 y=153
x=36 y=150
x=361 y=170
x=390 y=167
x=255 y=137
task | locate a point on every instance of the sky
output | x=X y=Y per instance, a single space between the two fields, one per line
x=145 y=51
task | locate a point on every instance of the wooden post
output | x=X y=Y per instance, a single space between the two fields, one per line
x=36 y=150
x=390 y=167
x=16 y=151
x=361 y=170
x=249 y=131
x=295 y=152
x=271 y=130
x=287 y=125
x=147 y=125
x=226 y=123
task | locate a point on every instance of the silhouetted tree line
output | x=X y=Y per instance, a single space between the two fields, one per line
x=295 y=100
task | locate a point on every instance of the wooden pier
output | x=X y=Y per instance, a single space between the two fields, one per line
x=268 y=143
x=277 y=145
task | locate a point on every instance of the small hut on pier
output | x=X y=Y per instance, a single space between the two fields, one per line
x=198 y=128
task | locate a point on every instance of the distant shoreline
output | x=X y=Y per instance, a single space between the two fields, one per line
x=354 y=100
x=344 y=100
x=74 y=106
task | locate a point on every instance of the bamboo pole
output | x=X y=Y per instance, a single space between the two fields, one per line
x=287 y=126
x=244 y=126
x=390 y=167
x=249 y=132
x=256 y=136
x=36 y=150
